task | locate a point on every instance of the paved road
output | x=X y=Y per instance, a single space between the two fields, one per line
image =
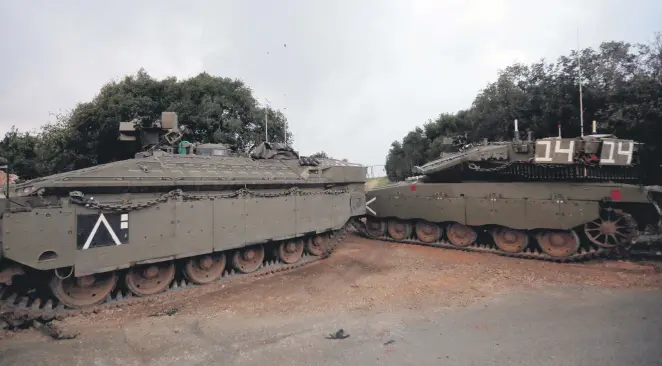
x=557 y=326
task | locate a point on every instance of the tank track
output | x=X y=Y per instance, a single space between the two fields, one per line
x=532 y=251
x=27 y=308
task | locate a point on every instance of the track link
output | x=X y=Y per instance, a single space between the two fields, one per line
x=583 y=254
x=27 y=308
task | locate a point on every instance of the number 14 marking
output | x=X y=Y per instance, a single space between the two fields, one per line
x=569 y=151
x=619 y=150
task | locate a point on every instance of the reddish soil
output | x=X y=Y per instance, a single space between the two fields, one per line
x=376 y=290
x=365 y=275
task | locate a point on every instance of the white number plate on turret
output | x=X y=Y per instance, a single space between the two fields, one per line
x=555 y=151
x=616 y=152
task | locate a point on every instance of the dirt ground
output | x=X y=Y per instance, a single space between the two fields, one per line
x=361 y=277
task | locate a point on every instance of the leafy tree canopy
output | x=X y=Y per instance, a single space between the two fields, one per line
x=321 y=155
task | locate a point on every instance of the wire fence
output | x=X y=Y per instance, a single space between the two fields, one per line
x=376 y=171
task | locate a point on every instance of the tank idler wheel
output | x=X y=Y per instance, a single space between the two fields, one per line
x=85 y=291
x=205 y=269
x=428 y=232
x=290 y=251
x=399 y=229
x=375 y=227
x=317 y=245
x=559 y=243
x=150 y=279
x=249 y=259
x=509 y=240
x=609 y=231
x=461 y=235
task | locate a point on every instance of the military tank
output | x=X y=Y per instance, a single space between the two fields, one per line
x=557 y=199
x=177 y=214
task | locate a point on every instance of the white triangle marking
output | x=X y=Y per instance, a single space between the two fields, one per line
x=102 y=218
x=368 y=208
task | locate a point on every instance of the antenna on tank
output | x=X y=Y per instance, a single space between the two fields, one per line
x=266 y=121
x=559 y=126
x=4 y=166
x=516 y=132
x=285 y=122
x=581 y=102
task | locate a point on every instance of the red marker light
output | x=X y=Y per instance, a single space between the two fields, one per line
x=616 y=194
x=413 y=188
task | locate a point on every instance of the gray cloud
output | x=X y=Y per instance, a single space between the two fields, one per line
x=355 y=75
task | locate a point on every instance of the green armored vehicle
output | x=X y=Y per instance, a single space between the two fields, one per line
x=179 y=213
x=558 y=199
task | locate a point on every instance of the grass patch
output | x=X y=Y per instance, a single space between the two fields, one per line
x=376 y=182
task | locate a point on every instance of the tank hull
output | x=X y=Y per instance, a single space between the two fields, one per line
x=86 y=239
x=154 y=228
x=543 y=220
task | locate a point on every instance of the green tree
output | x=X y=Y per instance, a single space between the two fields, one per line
x=320 y=155
x=20 y=150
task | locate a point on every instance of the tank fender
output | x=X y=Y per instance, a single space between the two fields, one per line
x=42 y=238
x=357 y=204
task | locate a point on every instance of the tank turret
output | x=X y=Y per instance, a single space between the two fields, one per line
x=596 y=157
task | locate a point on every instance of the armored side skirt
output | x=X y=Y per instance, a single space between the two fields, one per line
x=96 y=240
x=523 y=206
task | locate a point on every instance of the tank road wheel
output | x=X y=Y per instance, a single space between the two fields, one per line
x=85 y=291
x=398 y=229
x=559 y=243
x=375 y=227
x=248 y=259
x=428 y=232
x=461 y=235
x=317 y=245
x=509 y=240
x=290 y=251
x=609 y=230
x=205 y=269
x=150 y=279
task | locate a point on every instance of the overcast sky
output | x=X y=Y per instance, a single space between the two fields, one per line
x=355 y=74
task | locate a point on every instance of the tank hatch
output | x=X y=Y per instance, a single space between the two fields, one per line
x=274 y=150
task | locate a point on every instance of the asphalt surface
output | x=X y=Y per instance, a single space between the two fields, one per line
x=559 y=325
